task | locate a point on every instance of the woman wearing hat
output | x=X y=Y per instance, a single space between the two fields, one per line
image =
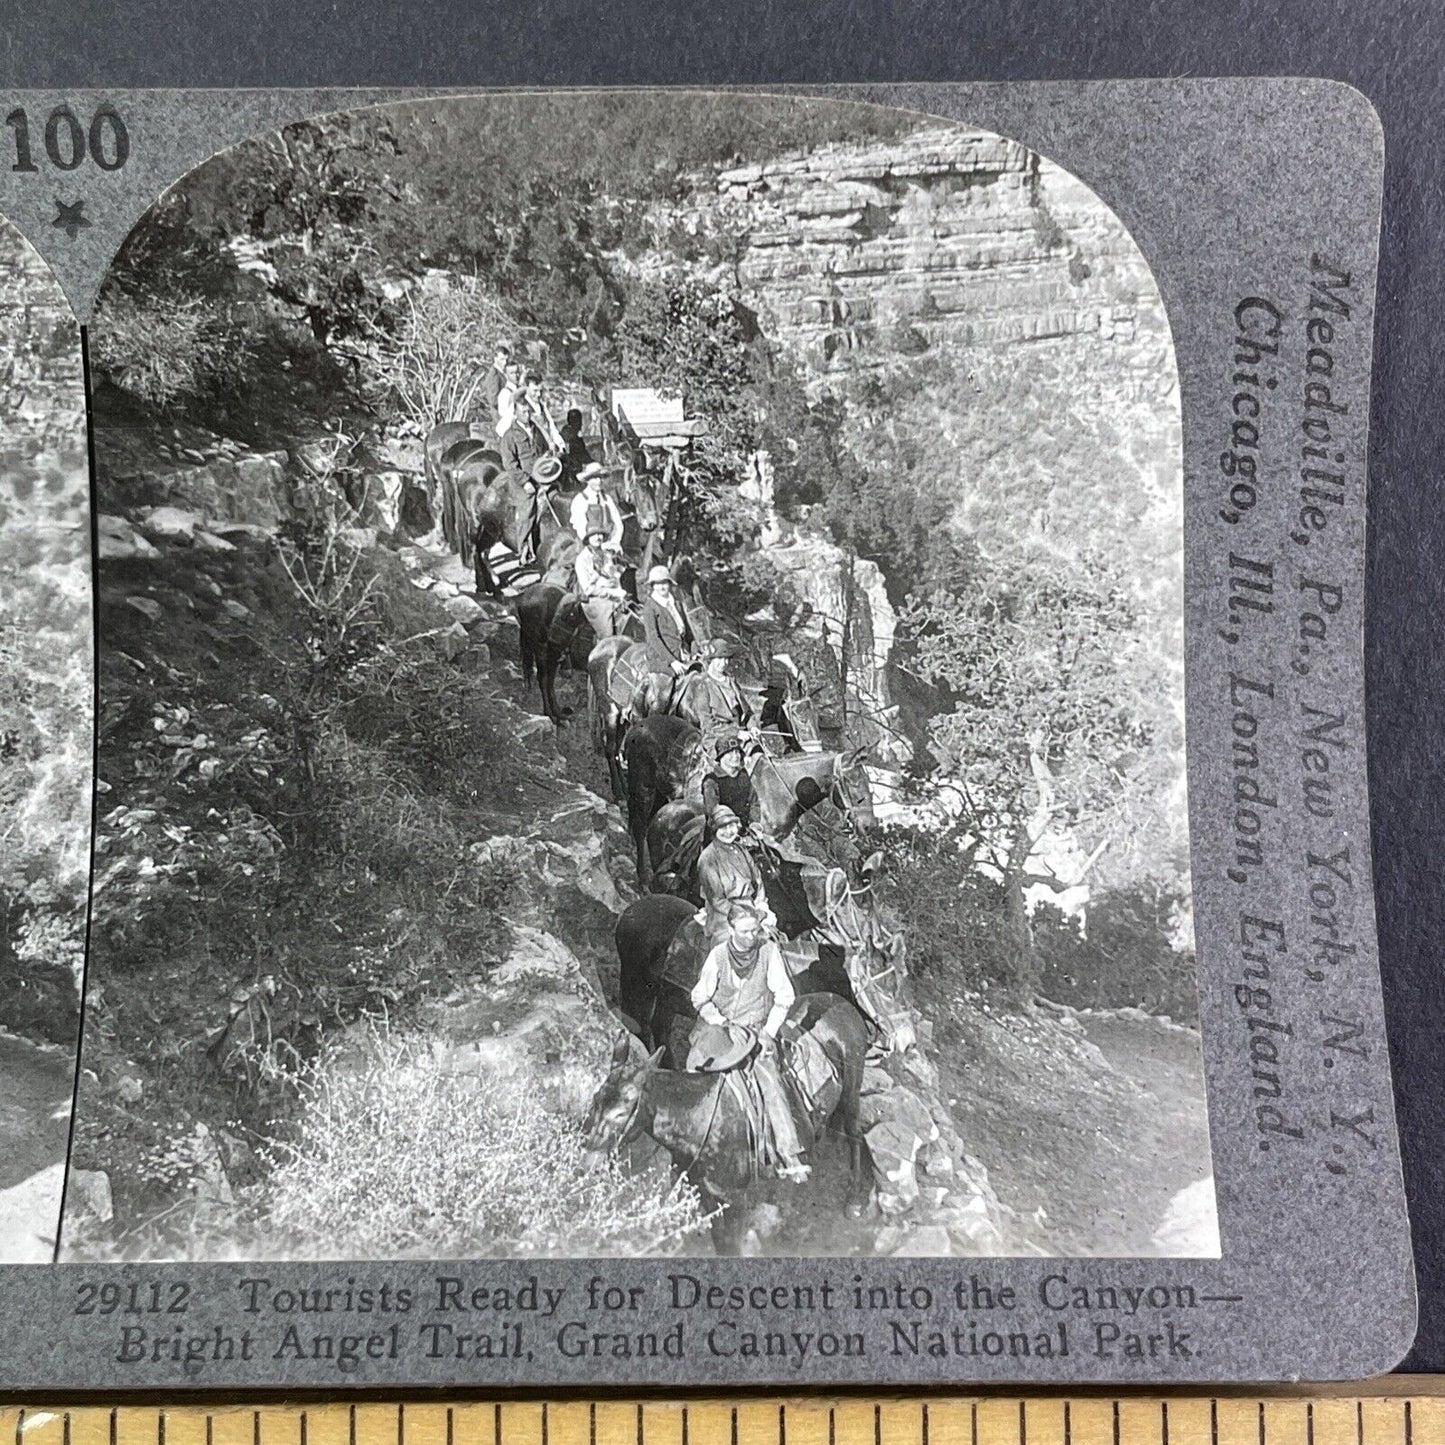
x=673 y=630
x=727 y=873
x=742 y=997
x=726 y=785
x=594 y=511
x=716 y=700
x=599 y=585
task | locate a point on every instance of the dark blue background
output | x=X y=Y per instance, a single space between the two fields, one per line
x=1393 y=52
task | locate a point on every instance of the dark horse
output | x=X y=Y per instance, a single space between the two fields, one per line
x=460 y=474
x=502 y=516
x=553 y=627
x=663 y=755
x=698 y=1119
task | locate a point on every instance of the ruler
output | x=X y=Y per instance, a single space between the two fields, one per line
x=1084 y=1419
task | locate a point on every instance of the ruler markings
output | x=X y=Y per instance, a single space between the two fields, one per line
x=1015 y=1420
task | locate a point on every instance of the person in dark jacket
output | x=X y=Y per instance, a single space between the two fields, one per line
x=727 y=786
x=671 y=628
x=575 y=454
x=525 y=442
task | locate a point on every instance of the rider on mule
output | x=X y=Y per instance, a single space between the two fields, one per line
x=673 y=631
x=599 y=585
x=742 y=997
x=714 y=697
x=727 y=784
x=592 y=510
x=727 y=873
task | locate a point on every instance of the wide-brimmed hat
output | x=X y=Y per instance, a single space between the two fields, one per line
x=599 y=534
x=658 y=572
x=725 y=745
x=723 y=817
x=723 y=647
x=592 y=469
x=546 y=469
x=714 y=1050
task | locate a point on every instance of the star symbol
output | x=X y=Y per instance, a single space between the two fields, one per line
x=70 y=218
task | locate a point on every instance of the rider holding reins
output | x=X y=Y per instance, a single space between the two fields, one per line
x=742 y=997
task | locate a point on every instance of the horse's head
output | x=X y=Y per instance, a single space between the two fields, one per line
x=617 y=1111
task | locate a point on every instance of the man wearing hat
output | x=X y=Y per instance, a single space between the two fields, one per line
x=539 y=488
x=594 y=511
x=599 y=585
x=742 y=997
x=727 y=873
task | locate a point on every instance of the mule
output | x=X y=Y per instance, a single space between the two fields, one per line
x=466 y=472
x=553 y=628
x=501 y=516
x=609 y=719
x=663 y=757
x=698 y=1119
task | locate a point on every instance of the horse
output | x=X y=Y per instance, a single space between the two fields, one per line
x=437 y=441
x=663 y=756
x=465 y=472
x=786 y=788
x=703 y=1125
x=609 y=719
x=501 y=516
x=552 y=626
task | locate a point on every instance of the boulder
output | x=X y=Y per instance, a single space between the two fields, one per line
x=463 y=609
x=88 y=1194
x=175 y=523
x=926 y=1241
x=148 y=607
x=208 y=542
x=120 y=542
x=454 y=641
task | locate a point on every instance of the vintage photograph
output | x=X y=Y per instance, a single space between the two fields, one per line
x=641 y=699
x=46 y=735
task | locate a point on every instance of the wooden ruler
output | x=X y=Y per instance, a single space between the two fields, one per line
x=1305 y=1418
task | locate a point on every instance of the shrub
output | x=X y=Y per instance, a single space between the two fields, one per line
x=167 y=348
x=410 y=1159
x=1123 y=957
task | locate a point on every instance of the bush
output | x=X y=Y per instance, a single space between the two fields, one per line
x=1123 y=957
x=167 y=348
x=408 y=1159
x=956 y=920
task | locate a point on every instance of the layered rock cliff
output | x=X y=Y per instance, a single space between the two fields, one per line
x=854 y=253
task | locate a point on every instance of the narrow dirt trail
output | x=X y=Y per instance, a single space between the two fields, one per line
x=1088 y=1133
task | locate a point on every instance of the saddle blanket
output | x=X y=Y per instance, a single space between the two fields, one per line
x=512 y=574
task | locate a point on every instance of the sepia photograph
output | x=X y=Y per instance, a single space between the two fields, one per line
x=45 y=740
x=640 y=703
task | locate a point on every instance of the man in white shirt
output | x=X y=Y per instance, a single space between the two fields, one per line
x=742 y=996
x=593 y=510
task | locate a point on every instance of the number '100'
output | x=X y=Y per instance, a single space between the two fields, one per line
x=67 y=143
